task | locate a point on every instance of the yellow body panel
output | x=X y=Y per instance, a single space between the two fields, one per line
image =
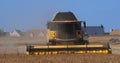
x=51 y=34
x=69 y=46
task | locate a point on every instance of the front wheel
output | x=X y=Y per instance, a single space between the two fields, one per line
x=80 y=42
x=52 y=42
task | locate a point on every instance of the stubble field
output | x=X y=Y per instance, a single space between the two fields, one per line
x=61 y=58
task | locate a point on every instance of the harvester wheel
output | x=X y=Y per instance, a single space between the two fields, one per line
x=52 y=42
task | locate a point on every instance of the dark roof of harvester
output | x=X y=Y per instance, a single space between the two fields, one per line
x=64 y=16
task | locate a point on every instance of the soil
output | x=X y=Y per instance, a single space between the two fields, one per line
x=60 y=58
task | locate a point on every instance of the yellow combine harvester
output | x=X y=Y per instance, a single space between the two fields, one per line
x=65 y=36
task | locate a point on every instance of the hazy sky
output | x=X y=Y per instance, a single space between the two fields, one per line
x=27 y=14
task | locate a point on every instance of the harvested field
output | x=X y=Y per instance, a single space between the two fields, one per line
x=61 y=58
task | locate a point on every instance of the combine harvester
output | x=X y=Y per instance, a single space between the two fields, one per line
x=65 y=36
